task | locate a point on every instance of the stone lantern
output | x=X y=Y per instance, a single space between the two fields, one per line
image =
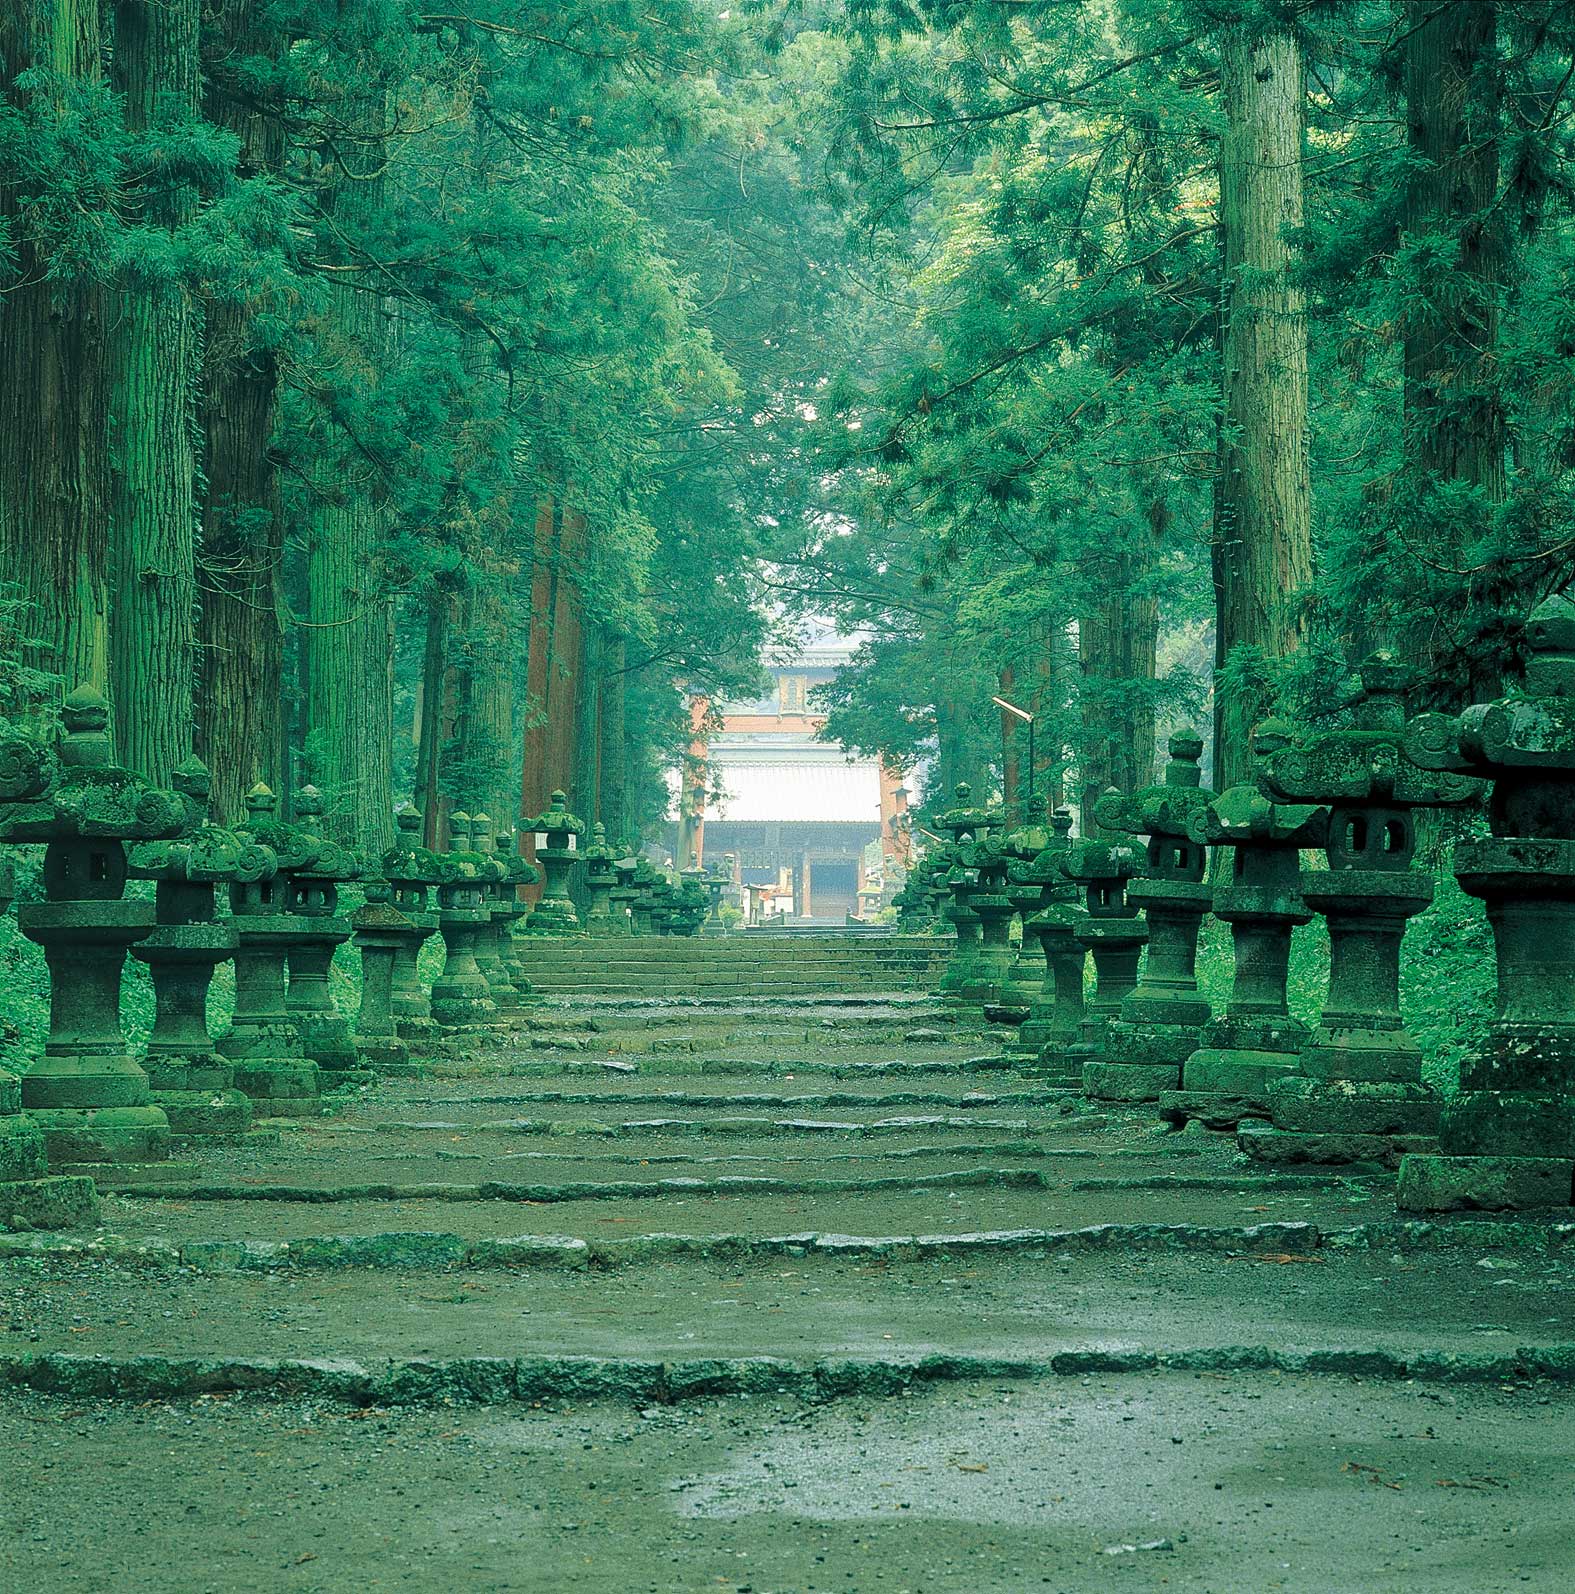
x=1109 y=926
x=413 y=873
x=87 y=1093
x=963 y=823
x=601 y=876
x=318 y=929
x=1256 y=1040
x=1162 y=1017
x=620 y=899
x=557 y=838
x=192 y=1082
x=462 y=994
x=488 y=950
x=1508 y=1138
x=664 y=902
x=716 y=881
x=691 y=902
x=28 y=1195
x=507 y=911
x=380 y=929
x=642 y=906
x=262 y=1041
x=1358 y=1093
x=1026 y=886
x=1055 y=1017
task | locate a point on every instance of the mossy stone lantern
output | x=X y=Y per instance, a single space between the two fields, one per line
x=716 y=881
x=262 y=1041
x=380 y=929
x=194 y=1083
x=601 y=876
x=963 y=823
x=664 y=903
x=690 y=902
x=488 y=946
x=507 y=911
x=1508 y=1138
x=414 y=872
x=1358 y=1095
x=642 y=906
x=557 y=851
x=1110 y=928
x=87 y=1093
x=462 y=994
x=1256 y=1040
x=1055 y=1017
x=620 y=899
x=1026 y=885
x=29 y=1196
x=987 y=896
x=1162 y=1017
x=319 y=929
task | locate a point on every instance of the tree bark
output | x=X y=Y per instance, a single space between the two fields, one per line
x=347 y=655
x=1455 y=428
x=154 y=353
x=54 y=457
x=1263 y=524
x=240 y=652
x=613 y=800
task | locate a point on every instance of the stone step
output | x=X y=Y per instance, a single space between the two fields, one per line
x=1005 y=1306
x=1073 y=1202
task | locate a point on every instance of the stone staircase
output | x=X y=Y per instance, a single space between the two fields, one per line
x=748 y=964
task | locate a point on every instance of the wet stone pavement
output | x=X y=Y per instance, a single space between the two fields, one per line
x=779 y=1295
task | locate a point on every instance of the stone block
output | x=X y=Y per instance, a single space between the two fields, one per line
x=1129 y=1081
x=1491 y=1184
x=1350 y=1107
x=57 y=1203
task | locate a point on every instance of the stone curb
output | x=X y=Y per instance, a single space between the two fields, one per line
x=488 y=1380
x=589 y=1189
x=1060 y=1100
x=433 y=1249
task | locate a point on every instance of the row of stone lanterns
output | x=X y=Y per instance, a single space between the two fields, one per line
x=87 y=1100
x=1349 y=1088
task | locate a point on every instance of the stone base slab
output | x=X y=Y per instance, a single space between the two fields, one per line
x=1129 y=1081
x=1236 y=1073
x=189 y=1071
x=382 y=1051
x=1213 y=1109
x=21 y=1149
x=1283 y=1148
x=1349 y=1107
x=62 y=1202
x=104 y=1134
x=281 y=1087
x=224 y=1115
x=1491 y=1184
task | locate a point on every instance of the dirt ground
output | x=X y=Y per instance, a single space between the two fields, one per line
x=1207 y=1484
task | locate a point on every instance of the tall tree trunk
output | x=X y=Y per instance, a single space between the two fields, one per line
x=1263 y=525
x=1118 y=648
x=54 y=459
x=240 y=657
x=1455 y=431
x=613 y=799
x=435 y=728
x=347 y=652
x=154 y=362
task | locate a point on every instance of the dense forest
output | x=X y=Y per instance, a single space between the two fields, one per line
x=430 y=402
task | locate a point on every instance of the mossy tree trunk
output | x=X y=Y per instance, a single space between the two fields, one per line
x=1263 y=508
x=154 y=359
x=347 y=623
x=54 y=455
x=240 y=653
x=613 y=732
x=1455 y=428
